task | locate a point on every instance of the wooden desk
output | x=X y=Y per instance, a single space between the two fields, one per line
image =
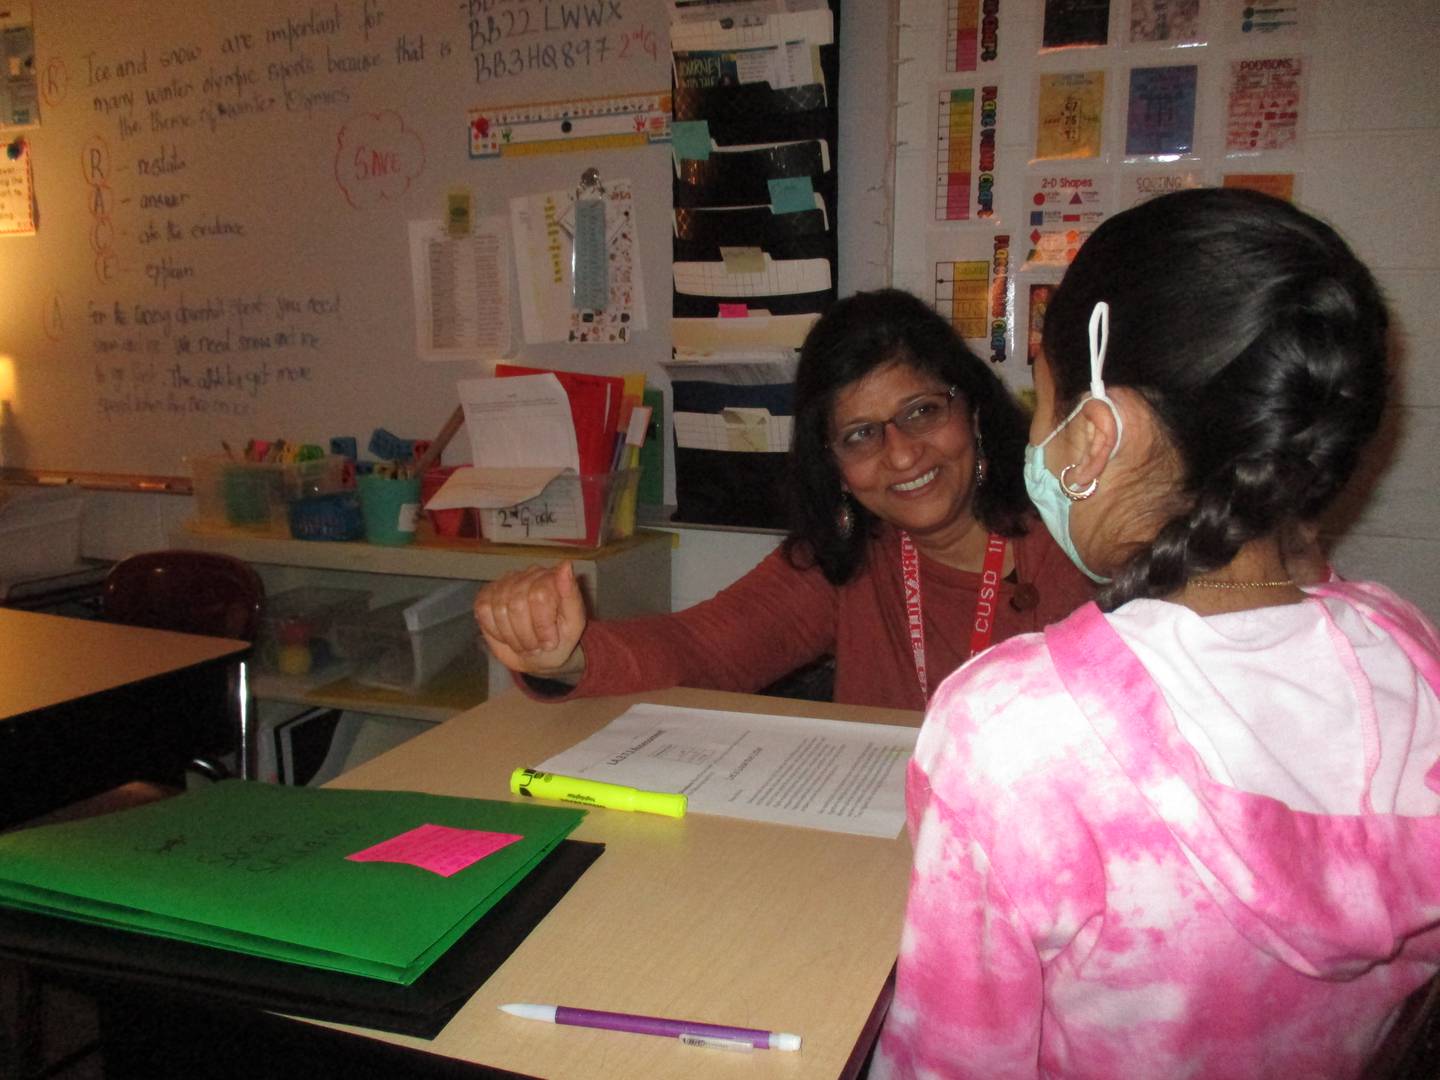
x=85 y=705
x=706 y=918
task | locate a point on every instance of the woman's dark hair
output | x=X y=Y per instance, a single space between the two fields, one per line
x=1258 y=339
x=859 y=334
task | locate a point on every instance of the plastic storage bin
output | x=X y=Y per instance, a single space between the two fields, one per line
x=297 y=627
x=574 y=511
x=39 y=532
x=254 y=496
x=335 y=516
x=404 y=645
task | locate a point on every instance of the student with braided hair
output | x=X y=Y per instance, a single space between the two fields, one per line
x=1193 y=830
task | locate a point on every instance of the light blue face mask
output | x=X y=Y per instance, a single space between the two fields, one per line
x=1050 y=494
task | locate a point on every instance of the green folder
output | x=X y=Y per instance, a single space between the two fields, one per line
x=262 y=869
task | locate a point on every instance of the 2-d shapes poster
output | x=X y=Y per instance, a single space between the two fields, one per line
x=1063 y=211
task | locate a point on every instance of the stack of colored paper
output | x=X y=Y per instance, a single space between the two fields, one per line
x=273 y=871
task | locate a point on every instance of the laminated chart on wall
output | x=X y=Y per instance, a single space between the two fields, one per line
x=1070 y=116
x=1166 y=22
x=581 y=124
x=1062 y=210
x=543 y=231
x=1263 y=103
x=972 y=34
x=1098 y=105
x=967 y=139
x=1160 y=111
x=974 y=288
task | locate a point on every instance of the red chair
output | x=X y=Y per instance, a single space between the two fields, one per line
x=195 y=592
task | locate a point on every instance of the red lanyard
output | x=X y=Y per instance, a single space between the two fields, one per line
x=984 y=628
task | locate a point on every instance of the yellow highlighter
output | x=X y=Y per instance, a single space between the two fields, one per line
x=572 y=789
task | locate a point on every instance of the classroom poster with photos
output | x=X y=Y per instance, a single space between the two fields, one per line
x=1023 y=125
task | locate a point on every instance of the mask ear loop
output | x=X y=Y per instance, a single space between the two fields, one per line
x=1099 y=341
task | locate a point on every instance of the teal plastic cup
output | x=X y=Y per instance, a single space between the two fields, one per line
x=390 y=508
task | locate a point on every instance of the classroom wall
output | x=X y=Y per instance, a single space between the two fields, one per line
x=706 y=560
x=1376 y=151
x=226 y=196
x=1367 y=162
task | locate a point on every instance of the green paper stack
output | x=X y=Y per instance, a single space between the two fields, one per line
x=262 y=869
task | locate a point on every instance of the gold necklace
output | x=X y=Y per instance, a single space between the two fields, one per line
x=1210 y=583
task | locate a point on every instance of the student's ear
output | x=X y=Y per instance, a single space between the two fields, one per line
x=1098 y=438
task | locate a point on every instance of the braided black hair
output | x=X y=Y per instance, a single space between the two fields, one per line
x=1258 y=339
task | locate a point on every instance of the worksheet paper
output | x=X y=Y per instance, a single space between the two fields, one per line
x=521 y=438
x=836 y=775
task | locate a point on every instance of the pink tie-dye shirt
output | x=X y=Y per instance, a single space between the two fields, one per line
x=1087 y=902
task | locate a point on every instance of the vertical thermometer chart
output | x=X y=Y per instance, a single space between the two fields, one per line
x=955 y=148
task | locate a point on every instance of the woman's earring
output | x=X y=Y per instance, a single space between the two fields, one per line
x=981 y=467
x=1073 y=493
x=845 y=517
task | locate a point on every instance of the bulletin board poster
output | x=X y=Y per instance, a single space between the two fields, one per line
x=1263 y=103
x=966 y=138
x=1138 y=186
x=1070 y=110
x=17 y=191
x=975 y=289
x=972 y=34
x=1037 y=299
x=1160 y=117
x=1064 y=210
x=1246 y=20
x=1164 y=22
x=1075 y=23
x=19 y=96
x=1281 y=185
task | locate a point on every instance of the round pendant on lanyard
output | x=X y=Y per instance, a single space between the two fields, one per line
x=983 y=627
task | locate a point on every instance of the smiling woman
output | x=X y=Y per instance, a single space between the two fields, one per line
x=911 y=545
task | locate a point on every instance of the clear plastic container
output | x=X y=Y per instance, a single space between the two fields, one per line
x=574 y=511
x=254 y=496
x=404 y=645
x=297 y=627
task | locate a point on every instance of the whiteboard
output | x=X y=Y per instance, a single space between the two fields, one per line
x=223 y=196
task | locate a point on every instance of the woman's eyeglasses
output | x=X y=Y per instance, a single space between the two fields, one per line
x=920 y=417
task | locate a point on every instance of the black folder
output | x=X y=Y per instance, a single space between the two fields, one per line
x=104 y=961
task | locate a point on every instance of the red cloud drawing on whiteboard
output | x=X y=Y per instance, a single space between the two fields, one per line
x=376 y=158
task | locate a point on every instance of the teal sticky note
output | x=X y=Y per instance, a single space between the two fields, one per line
x=791 y=194
x=690 y=139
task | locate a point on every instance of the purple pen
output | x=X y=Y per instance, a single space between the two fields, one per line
x=690 y=1032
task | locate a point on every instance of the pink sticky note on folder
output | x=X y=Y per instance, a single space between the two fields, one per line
x=438 y=848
